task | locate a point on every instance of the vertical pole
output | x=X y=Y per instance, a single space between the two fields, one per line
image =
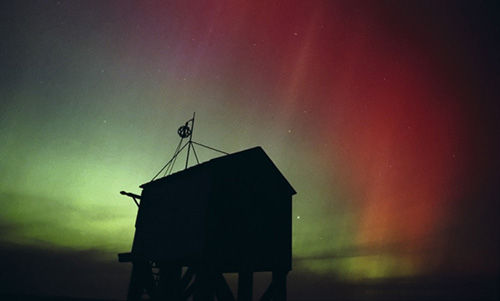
x=279 y=285
x=139 y=280
x=169 y=281
x=245 y=285
x=204 y=290
x=190 y=140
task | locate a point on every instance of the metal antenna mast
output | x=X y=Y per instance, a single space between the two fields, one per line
x=185 y=131
x=190 y=143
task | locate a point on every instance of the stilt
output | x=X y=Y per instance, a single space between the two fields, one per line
x=245 y=285
x=279 y=285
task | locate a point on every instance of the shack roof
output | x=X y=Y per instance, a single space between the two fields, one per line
x=253 y=162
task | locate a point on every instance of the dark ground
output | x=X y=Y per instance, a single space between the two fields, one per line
x=477 y=288
x=33 y=274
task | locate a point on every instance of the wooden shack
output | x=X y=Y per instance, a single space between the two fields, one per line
x=231 y=214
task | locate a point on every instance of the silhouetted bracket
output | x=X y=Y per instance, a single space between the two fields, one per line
x=135 y=197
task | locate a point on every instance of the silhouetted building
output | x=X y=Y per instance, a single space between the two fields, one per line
x=231 y=214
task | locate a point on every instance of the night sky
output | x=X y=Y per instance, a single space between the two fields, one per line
x=383 y=115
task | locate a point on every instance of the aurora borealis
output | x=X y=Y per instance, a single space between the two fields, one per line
x=383 y=115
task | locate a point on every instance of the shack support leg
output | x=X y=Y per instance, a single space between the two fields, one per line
x=204 y=288
x=279 y=285
x=169 y=282
x=245 y=285
x=140 y=279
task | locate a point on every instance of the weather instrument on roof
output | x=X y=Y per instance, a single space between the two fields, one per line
x=231 y=214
